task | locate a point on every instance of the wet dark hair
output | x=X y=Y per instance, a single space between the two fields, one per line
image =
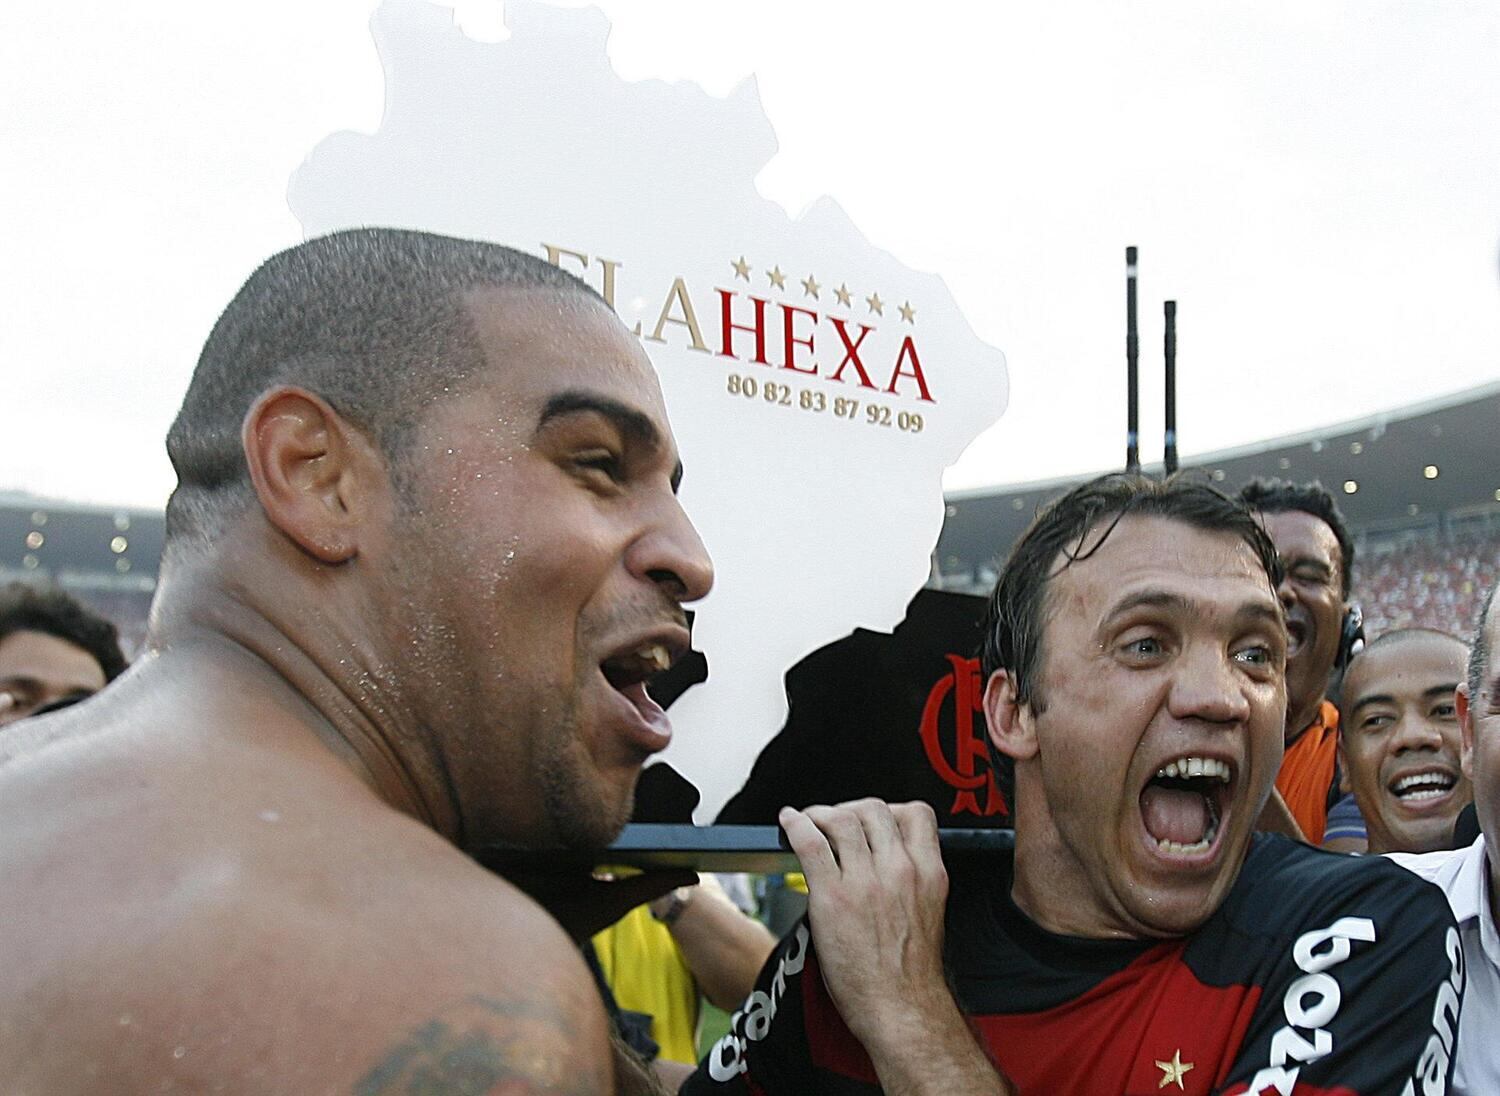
x=1016 y=617
x=1479 y=648
x=1277 y=496
x=371 y=319
x=29 y=608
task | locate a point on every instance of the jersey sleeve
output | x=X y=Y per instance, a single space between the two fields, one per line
x=1365 y=1001
x=787 y=1037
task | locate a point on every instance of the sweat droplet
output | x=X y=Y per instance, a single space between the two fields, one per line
x=178 y=1052
x=270 y=816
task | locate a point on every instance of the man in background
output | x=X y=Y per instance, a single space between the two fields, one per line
x=1317 y=555
x=1399 y=739
x=1470 y=876
x=53 y=650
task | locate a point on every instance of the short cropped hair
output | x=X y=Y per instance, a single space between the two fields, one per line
x=1278 y=496
x=25 y=607
x=1402 y=635
x=1016 y=616
x=370 y=319
x=1479 y=648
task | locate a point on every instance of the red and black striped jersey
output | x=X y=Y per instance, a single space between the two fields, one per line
x=1320 y=974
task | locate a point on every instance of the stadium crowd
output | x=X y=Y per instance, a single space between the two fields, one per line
x=1437 y=581
x=251 y=863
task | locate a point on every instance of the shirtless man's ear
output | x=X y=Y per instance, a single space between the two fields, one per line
x=316 y=475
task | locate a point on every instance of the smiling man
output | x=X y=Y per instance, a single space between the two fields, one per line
x=1317 y=556
x=1470 y=876
x=424 y=552
x=1143 y=937
x=1399 y=742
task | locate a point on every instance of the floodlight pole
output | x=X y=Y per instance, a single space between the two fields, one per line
x=1169 y=346
x=1132 y=380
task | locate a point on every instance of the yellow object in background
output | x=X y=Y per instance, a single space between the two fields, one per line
x=647 y=973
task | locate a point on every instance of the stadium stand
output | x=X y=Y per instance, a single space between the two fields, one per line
x=1419 y=487
x=104 y=556
x=1428 y=583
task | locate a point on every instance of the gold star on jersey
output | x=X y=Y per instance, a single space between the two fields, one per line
x=1173 y=1071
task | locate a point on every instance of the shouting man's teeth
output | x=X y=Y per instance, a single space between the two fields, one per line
x=1187 y=768
x=1180 y=804
x=629 y=669
x=1196 y=847
x=655 y=656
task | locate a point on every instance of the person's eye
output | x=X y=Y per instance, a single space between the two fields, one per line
x=600 y=464
x=1255 y=655
x=1374 y=722
x=18 y=700
x=1143 y=648
x=1445 y=711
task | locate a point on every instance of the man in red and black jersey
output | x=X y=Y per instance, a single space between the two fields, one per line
x=1140 y=938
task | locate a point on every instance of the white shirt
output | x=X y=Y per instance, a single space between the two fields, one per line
x=1464 y=877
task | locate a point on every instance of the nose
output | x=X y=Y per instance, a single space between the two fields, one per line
x=1286 y=594
x=1415 y=733
x=1208 y=687
x=670 y=554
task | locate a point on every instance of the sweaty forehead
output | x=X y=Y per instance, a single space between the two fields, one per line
x=1407 y=664
x=1158 y=553
x=537 y=342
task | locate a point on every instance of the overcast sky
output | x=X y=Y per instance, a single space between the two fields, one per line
x=1317 y=184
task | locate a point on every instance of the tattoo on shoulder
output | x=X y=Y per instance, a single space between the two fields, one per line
x=483 y=1046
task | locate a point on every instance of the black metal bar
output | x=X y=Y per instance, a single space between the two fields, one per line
x=1169 y=345
x=1132 y=379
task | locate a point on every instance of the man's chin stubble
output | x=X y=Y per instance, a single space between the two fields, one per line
x=577 y=823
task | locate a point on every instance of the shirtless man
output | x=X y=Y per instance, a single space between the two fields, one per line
x=424 y=551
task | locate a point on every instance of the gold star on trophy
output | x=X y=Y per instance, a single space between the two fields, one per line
x=877 y=306
x=810 y=287
x=842 y=293
x=741 y=269
x=1173 y=1071
x=777 y=278
x=908 y=313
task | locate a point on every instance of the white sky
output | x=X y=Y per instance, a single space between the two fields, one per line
x=1317 y=183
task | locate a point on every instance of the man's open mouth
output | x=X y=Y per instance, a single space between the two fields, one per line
x=1296 y=636
x=629 y=671
x=1181 y=805
x=630 y=668
x=1420 y=787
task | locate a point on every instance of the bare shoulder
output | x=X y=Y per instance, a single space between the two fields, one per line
x=442 y=978
x=489 y=1043
x=261 y=933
